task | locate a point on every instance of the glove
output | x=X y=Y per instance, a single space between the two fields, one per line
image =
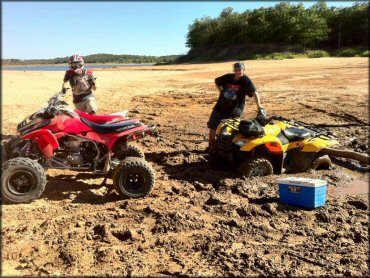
x=262 y=111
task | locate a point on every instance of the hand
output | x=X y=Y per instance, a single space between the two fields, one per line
x=64 y=91
x=262 y=111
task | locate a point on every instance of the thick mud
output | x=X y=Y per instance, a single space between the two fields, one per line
x=197 y=221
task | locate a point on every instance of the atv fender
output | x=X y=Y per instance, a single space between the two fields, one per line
x=316 y=144
x=45 y=140
x=272 y=144
x=133 y=135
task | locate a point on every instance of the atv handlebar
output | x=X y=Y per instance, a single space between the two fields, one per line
x=55 y=101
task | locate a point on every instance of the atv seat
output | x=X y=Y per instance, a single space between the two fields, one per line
x=111 y=127
x=103 y=118
x=296 y=134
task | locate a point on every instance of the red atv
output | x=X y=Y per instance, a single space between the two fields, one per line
x=61 y=138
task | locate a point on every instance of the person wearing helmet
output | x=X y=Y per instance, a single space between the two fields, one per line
x=233 y=88
x=82 y=82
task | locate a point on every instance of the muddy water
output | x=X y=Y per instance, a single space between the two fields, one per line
x=354 y=187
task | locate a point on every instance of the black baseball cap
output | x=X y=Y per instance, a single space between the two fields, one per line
x=239 y=65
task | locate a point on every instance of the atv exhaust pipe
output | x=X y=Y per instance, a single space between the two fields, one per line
x=363 y=158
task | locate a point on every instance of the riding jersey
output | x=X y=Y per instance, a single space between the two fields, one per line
x=231 y=100
x=80 y=83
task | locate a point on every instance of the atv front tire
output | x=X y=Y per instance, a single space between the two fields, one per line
x=22 y=181
x=257 y=167
x=133 y=178
x=214 y=158
x=4 y=153
x=11 y=144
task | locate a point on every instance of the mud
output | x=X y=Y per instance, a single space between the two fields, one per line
x=199 y=220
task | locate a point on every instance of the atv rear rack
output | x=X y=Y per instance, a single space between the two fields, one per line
x=316 y=129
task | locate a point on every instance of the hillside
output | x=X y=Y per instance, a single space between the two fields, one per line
x=95 y=58
x=285 y=30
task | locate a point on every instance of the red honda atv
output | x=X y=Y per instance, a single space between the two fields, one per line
x=61 y=138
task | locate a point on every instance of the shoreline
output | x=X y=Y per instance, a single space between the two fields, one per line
x=66 y=64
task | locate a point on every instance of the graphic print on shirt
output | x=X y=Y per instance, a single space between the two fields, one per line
x=231 y=92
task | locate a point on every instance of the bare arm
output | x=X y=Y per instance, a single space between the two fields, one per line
x=257 y=100
x=64 y=86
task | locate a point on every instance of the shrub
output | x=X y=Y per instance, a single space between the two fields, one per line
x=317 y=54
x=350 y=52
x=276 y=56
x=366 y=53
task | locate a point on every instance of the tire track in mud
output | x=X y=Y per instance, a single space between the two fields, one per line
x=341 y=115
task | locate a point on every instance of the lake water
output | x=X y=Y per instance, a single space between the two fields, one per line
x=65 y=67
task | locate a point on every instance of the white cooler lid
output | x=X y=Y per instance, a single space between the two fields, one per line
x=303 y=181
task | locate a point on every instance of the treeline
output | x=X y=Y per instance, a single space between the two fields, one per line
x=309 y=28
x=97 y=58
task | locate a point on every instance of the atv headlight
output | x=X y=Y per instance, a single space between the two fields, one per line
x=240 y=143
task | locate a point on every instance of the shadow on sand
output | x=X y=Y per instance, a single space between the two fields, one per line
x=75 y=188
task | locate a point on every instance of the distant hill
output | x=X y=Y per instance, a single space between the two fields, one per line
x=100 y=58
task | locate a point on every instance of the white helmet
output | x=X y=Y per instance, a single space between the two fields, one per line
x=76 y=59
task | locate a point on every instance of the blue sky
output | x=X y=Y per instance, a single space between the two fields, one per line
x=32 y=30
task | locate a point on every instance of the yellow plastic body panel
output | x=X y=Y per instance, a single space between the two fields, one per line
x=272 y=129
x=316 y=144
x=250 y=145
x=291 y=145
x=230 y=123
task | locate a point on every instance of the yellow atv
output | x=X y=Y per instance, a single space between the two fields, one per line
x=265 y=146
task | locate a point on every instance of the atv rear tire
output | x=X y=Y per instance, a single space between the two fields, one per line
x=22 y=181
x=132 y=150
x=321 y=162
x=257 y=167
x=134 y=178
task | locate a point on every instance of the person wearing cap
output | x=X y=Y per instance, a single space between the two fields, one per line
x=233 y=88
x=82 y=82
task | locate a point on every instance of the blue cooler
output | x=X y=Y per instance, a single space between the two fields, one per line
x=303 y=192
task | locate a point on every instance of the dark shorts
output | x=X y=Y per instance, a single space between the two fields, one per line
x=215 y=119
